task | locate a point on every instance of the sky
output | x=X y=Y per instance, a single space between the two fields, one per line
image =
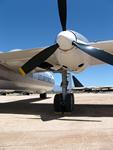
x=28 y=24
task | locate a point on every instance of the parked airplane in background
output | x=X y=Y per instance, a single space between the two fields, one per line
x=37 y=82
x=72 y=51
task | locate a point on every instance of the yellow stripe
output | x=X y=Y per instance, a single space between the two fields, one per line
x=21 y=71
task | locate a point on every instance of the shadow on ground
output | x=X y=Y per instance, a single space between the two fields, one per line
x=46 y=111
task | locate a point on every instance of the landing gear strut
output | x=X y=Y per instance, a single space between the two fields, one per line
x=64 y=102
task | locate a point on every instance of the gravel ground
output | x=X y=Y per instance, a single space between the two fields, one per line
x=27 y=122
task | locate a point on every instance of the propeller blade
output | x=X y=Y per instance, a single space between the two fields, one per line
x=38 y=59
x=62 y=7
x=95 y=52
x=77 y=82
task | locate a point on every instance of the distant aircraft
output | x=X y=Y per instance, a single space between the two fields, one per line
x=71 y=51
x=36 y=82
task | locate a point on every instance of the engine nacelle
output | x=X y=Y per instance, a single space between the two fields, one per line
x=69 y=55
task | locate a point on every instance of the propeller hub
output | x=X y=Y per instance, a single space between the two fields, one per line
x=65 y=39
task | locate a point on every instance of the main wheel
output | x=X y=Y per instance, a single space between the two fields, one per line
x=58 y=99
x=43 y=96
x=3 y=93
x=69 y=102
x=26 y=93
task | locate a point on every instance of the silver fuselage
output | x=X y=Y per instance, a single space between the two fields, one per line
x=38 y=82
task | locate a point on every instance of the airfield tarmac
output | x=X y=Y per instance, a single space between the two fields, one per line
x=29 y=123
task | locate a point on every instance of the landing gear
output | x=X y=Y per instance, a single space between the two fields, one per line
x=64 y=106
x=26 y=93
x=64 y=102
x=69 y=102
x=58 y=103
x=3 y=93
x=43 y=96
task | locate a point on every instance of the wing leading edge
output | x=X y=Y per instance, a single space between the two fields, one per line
x=105 y=45
x=15 y=59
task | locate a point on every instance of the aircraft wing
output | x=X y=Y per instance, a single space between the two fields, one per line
x=104 y=45
x=15 y=59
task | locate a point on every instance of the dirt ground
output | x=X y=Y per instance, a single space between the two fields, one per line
x=29 y=123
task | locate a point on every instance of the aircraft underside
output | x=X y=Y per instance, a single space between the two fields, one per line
x=11 y=80
x=71 y=51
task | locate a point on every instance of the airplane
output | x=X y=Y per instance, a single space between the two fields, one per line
x=81 y=88
x=37 y=82
x=71 y=52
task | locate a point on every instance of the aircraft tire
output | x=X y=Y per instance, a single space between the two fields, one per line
x=43 y=95
x=57 y=103
x=69 y=102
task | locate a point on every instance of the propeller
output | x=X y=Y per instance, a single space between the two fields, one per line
x=37 y=60
x=77 y=82
x=40 y=58
x=95 y=52
x=62 y=7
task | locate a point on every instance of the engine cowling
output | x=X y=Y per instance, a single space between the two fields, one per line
x=67 y=54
